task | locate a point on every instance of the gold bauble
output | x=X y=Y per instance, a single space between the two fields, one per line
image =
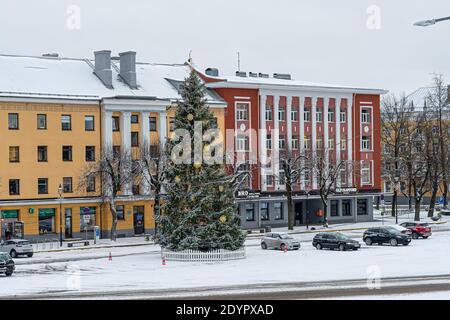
x=197 y=165
x=190 y=117
x=221 y=188
x=177 y=179
x=223 y=218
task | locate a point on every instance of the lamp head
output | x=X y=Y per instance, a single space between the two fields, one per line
x=425 y=23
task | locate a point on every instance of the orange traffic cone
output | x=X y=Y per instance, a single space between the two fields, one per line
x=285 y=248
x=110 y=257
x=164 y=261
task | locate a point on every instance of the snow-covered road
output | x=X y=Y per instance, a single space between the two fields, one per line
x=135 y=269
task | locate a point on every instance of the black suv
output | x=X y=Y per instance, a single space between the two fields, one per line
x=335 y=240
x=7 y=265
x=385 y=235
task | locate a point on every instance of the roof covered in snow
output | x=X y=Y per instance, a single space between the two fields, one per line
x=420 y=98
x=273 y=83
x=68 y=78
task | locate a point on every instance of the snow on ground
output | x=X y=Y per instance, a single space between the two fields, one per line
x=140 y=268
x=437 y=295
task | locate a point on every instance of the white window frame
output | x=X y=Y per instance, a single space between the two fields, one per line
x=366 y=143
x=281 y=114
x=319 y=114
x=269 y=142
x=242 y=143
x=307 y=114
x=294 y=115
x=330 y=115
x=365 y=115
x=343 y=116
x=242 y=111
x=269 y=113
x=366 y=171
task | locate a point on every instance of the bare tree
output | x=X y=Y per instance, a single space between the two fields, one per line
x=396 y=119
x=152 y=165
x=293 y=164
x=116 y=172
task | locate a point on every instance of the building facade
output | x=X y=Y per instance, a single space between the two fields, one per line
x=57 y=115
x=269 y=115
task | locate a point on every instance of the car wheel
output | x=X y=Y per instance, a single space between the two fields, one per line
x=393 y=242
x=341 y=247
x=8 y=274
x=318 y=246
x=405 y=244
x=264 y=246
x=355 y=249
x=415 y=236
x=29 y=255
x=425 y=237
x=13 y=254
x=368 y=241
x=283 y=247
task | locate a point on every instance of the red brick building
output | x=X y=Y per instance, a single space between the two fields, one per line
x=267 y=114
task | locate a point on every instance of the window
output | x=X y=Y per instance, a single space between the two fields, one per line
x=90 y=185
x=116 y=123
x=343 y=177
x=42 y=153
x=134 y=118
x=269 y=114
x=67 y=153
x=42 y=186
x=319 y=144
x=269 y=180
x=307 y=142
x=90 y=153
x=343 y=116
x=343 y=144
x=214 y=123
x=306 y=176
x=87 y=218
x=14 y=154
x=171 y=124
x=319 y=115
x=241 y=111
x=66 y=122
x=294 y=115
x=135 y=139
x=242 y=143
x=402 y=130
x=42 y=121
x=152 y=124
x=13 y=121
x=307 y=115
x=89 y=123
x=365 y=143
x=334 y=210
x=120 y=210
x=365 y=173
x=294 y=143
x=264 y=211
x=330 y=115
x=14 y=187
x=278 y=210
x=249 y=212
x=46 y=221
x=136 y=190
x=387 y=186
x=365 y=116
x=116 y=152
x=67 y=185
x=281 y=114
x=282 y=142
x=346 y=208
x=362 y=207
x=331 y=144
x=269 y=142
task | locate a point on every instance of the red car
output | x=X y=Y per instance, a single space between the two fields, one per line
x=418 y=229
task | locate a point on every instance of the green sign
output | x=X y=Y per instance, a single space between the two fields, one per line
x=10 y=214
x=46 y=213
x=88 y=210
x=31 y=210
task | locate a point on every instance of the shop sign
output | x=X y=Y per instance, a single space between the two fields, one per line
x=88 y=210
x=346 y=190
x=46 y=213
x=247 y=194
x=10 y=214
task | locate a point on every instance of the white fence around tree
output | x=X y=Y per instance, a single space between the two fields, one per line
x=203 y=256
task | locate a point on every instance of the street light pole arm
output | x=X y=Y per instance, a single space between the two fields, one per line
x=442 y=19
x=426 y=23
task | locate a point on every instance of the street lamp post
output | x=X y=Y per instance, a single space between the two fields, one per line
x=426 y=23
x=60 y=192
x=397 y=183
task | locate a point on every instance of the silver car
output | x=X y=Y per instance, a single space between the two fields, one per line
x=280 y=241
x=17 y=247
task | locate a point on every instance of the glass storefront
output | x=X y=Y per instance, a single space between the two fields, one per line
x=8 y=218
x=47 y=220
x=87 y=218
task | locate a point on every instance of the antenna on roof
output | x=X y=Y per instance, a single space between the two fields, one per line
x=239 y=61
x=190 y=57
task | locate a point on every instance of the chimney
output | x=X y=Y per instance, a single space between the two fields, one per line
x=102 y=68
x=128 y=68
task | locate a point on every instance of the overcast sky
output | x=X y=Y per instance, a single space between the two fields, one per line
x=349 y=42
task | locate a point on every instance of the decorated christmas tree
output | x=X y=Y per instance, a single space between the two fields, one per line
x=199 y=211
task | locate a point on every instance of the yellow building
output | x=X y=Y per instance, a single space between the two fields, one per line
x=56 y=117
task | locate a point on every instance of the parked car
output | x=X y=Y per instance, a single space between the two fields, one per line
x=402 y=229
x=17 y=247
x=335 y=241
x=7 y=265
x=418 y=229
x=383 y=235
x=280 y=241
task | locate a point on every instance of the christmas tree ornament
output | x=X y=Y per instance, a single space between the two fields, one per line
x=223 y=218
x=190 y=117
x=177 y=179
x=197 y=165
x=221 y=188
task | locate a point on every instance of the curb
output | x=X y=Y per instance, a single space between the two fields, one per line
x=98 y=247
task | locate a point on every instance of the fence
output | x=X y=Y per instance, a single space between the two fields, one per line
x=203 y=256
x=46 y=244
